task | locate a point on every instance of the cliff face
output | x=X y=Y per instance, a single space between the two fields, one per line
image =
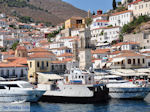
x=54 y=11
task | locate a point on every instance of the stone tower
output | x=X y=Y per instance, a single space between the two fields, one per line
x=21 y=51
x=85 y=49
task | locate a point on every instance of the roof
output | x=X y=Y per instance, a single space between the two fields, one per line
x=17 y=60
x=102 y=20
x=129 y=54
x=38 y=49
x=101 y=15
x=135 y=2
x=21 y=48
x=66 y=55
x=124 y=43
x=7 y=65
x=115 y=52
x=41 y=55
x=122 y=12
x=69 y=37
x=67 y=60
x=100 y=51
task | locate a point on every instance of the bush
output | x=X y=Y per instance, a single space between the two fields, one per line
x=128 y=28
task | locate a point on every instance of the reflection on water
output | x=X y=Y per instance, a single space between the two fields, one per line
x=111 y=106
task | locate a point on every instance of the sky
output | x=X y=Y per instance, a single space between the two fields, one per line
x=92 y=5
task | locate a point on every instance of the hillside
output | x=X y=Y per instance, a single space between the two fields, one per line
x=52 y=11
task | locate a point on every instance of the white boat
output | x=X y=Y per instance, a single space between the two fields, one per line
x=19 y=91
x=77 y=87
x=124 y=89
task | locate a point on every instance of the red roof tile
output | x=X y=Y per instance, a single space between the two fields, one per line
x=118 y=13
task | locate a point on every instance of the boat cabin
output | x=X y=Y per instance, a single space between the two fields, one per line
x=77 y=76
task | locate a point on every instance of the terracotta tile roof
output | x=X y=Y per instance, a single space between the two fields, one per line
x=67 y=59
x=124 y=43
x=21 y=48
x=102 y=20
x=10 y=52
x=60 y=48
x=26 y=43
x=100 y=51
x=41 y=55
x=8 y=65
x=57 y=62
x=66 y=55
x=103 y=15
x=17 y=60
x=115 y=52
x=131 y=54
x=70 y=37
x=38 y=49
x=135 y=2
x=95 y=60
x=118 y=13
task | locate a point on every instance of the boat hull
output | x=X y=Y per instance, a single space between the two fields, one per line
x=20 y=95
x=128 y=93
x=97 y=98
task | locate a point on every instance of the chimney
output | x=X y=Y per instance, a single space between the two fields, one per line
x=99 y=12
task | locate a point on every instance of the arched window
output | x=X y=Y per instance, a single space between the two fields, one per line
x=143 y=60
x=138 y=61
x=42 y=64
x=38 y=64
x=134 y=61
x=129 y=61
x=14 y=72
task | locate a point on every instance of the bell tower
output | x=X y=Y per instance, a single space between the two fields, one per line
x=85 y=49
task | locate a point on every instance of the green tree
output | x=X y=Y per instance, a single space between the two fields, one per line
x=114 y=4
x=14 y=46
x=88 y=21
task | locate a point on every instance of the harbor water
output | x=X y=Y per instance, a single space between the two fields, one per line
x=111 y=106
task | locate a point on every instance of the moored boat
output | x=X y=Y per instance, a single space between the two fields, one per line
x=77 y=87
x=124 y=89
x=19 y=91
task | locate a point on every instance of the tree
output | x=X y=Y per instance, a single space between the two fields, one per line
x=114 y=4
x=88 y=21
x=14 y=46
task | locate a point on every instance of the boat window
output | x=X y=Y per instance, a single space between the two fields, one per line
x=12 y=85
x=27 y=85
x=2 y=87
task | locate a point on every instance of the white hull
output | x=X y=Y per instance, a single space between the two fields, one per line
x=20 y=95
x=128 y=93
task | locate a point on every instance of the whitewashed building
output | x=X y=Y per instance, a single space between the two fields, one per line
x=106 y=34
x=140 y=7
x=121 y=18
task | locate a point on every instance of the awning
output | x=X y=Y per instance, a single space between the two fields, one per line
x=118 y=60
x=50 y=76
x=126 y=71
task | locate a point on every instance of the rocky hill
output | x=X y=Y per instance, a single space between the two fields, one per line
x=51 y=11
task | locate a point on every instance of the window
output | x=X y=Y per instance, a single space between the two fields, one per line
x=38 y=64
x=42 y=64
x=30 y=64
x=47 y=63
x=134 y=61
x=7 y=72
x=129 y=61
x=2 y=72
x=21 y=73
x=143 y=60
x=14 y=72
x=138 y=61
